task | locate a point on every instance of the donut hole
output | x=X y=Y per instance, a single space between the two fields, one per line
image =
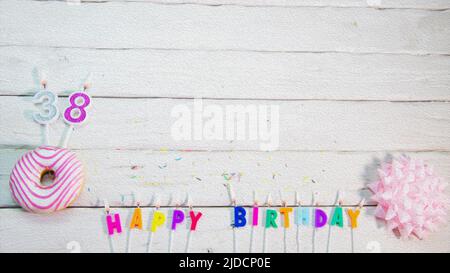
x=47 y=177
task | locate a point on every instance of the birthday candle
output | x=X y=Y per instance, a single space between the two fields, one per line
x=285 y=212
x=336 y=218
x=136 y=222
x=112 y=224
x=315 y=196
x=232 y=196
x=268 y=204
x=48 y=101
x=297 y=219
x=177 y=218
x=353 y=215
x=254 y=220
x=194 y=220
x=76 y=113
x=239 y=217
x=150 y=236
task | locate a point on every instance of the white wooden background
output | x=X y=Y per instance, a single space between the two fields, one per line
x=357 y=83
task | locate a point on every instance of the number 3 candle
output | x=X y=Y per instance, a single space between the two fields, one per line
x=48 y=101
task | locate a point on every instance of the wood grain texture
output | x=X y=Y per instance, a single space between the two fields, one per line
x=303 y=125
x=357 y=82
x=118 y=175
x=85 y=226
x=382 y=4
x=224 y=28
x=251 y=75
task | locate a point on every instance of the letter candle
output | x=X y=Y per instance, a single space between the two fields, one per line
x=150 y=236
x=297 y=220
x=136 y=221
x=268 y=205
x=255 y=216
x=112 y=224
x=284 y=210
x=315 y=203
x=232 y=196
x=76 y=113
x=177 y=218
x=194 y=219
x=49 y=104
x=353 y=215
x=336 y=217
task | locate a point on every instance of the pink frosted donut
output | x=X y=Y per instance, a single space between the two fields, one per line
x=25 y=180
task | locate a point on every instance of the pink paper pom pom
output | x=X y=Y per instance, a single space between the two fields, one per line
x=410 y=197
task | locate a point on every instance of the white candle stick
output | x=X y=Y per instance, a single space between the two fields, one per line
x=252 y=232
x=315 y=203
x=172 y=231
x=46 y=129
x=67 y=136
x=190 y=232
x=150 y=236
x=171 y=240
x=298 y=203
x=234 y=240
x=268 y=205
x=360 y=205
x=339 y=202
x=130 y=231
x=188 y=243
x=283 y=204
x=171 y=235
x=150 y=242
x=232 y=196
x=107 y=211
x=46 y=135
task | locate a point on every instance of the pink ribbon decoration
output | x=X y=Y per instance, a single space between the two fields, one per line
x=410 y=197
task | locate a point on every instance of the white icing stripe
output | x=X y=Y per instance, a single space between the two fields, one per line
x=25 y=179
x=48 y=204
x=69 y=197
x=42 y=196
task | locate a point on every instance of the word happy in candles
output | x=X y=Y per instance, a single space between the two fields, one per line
x=114 y=224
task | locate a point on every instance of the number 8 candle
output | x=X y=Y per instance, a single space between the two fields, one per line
x=76 y=113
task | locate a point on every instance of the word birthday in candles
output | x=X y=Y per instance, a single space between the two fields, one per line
x=302 y=216
x=159 y=218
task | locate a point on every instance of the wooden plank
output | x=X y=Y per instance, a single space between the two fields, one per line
x=303 y=125
x=118 y=174
x=224 y=28
x=385 y=4
x=86 y=228
x=287 y=76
